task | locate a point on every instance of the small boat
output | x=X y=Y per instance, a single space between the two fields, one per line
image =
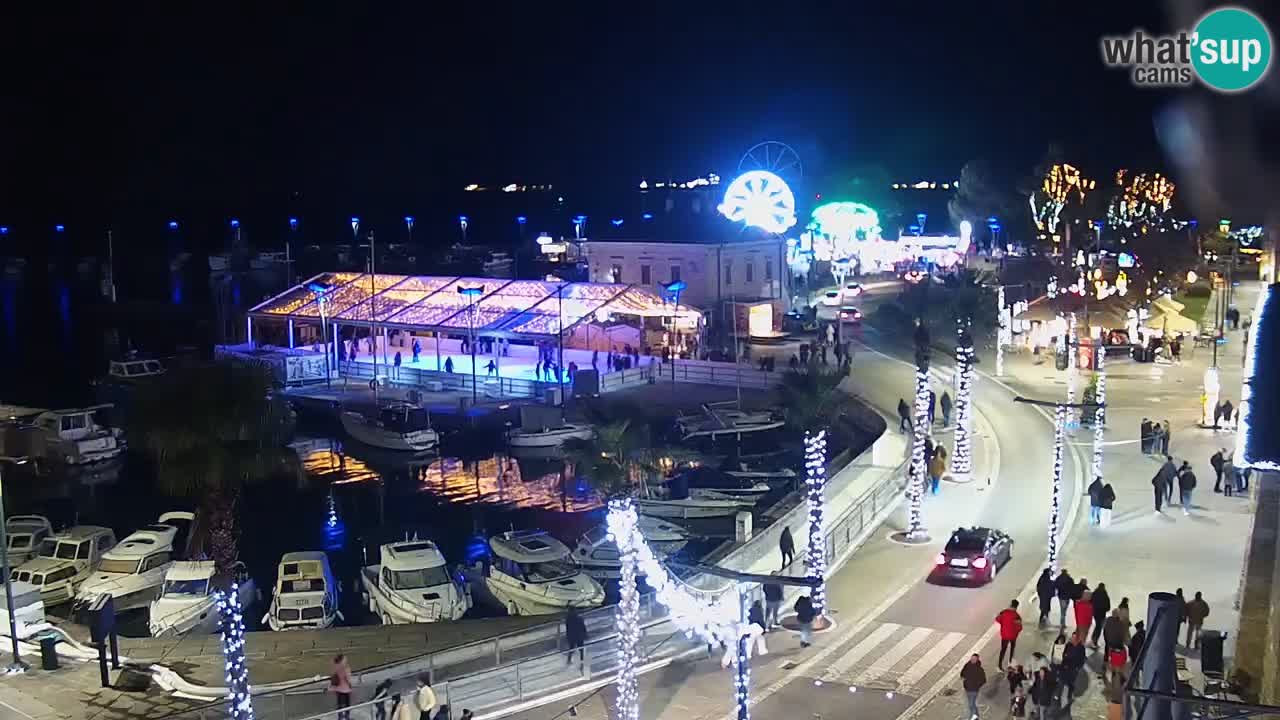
x=64 y=561
x=676 y=500
x=134 y=369
x=746 y=472
x=25 y=533
x=399 y=426
x=413 y=585
x=75 y=437
x=599 y=556
x=132 y=572
x=549 y=436
x=532 y=573
x=188 y=599
x=722 y=419
x=306 y=593
x=722 y=484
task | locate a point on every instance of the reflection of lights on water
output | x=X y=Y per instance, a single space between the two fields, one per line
x=319 y=462
x=335 y=531
x=499 y=481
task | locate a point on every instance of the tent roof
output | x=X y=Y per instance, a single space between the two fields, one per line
x=1111 y=312
x=505 y=307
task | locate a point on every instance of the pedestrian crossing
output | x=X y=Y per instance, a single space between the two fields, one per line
x=902 y=658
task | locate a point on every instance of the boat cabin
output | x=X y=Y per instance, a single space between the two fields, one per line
x=532 y=556
x=25 y=533
x=135 y=369
x=403 y=417
x=413 y=565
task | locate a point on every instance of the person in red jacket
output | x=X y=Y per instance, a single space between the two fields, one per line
x=1010 y=623
x=1083 y=607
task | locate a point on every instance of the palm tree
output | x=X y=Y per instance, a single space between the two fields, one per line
x=622 y=456
x=810 y=399
x=210 y=430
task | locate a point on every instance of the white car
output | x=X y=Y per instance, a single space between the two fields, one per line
x=852 y=291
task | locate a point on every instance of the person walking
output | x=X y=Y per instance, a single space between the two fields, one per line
x=1095 y=498
x=1158 y=484
x=972 y=678
x=1073 y=658
x=381 y=692
x=1228 y=474
x=424 y=698
x=1010 y=623
x=575 y=631
x=1166 y=436
x=933 y=405
x=1043 y=690
x=787 y=545
x=1138 y=640
x=1146 y=436
x=1083 y=607
x=1101 y=608
x=1106 y=502
x=1217 y=461
x=1228 y=414
x=804 y=615
x=1045 y=591
x=340 y=685
x=1197 y=611
x=1186 y=486
x=946 y=409
x=772 y=604
x=1065 y=588
x=904 y=415
x=755 y=616
x=1113 y=637
x=937 y=467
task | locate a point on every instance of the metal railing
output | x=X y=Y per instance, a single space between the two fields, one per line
x=487 y=386
x=706 y=372
x=852 y=524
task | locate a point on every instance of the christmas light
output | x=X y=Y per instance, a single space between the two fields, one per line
x=239 y=698
x=1072 y=340
x=815 y=557
x=1143 y=200
x=1060 y=185
x=962 y=465
x=915 y=492
x=1055 y=505
x=1253 y=451
x=628 y=633
x=742 y=678
x=1099 y=413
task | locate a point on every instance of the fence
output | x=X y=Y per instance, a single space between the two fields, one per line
x=487 y=387
x=705 y=372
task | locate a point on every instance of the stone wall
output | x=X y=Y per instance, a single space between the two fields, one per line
x=1258 y=644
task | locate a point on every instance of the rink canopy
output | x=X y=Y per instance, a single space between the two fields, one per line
x=529 y=309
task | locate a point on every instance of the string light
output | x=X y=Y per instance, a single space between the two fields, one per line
x=742 y=678
x=1099 y=414
x=239 y=697
x=1143 y=200
x=628 y=633
x=1060 y=185
x=1072 y=340
x=915 y=494
x=1055 y=505
x=815 y=557
x=962 y=466
x=1250 y=451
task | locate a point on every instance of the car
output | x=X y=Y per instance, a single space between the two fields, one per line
x=850 y=315
x=973 y=554
x=852 y=290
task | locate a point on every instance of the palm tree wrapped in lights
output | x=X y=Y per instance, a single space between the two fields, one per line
x=916 y=531
x=963 y=464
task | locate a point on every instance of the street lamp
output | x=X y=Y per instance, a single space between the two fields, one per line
x=462 y=223
x=408 y=223
x=288 y=252
x=674 y=288
x=321 y=299
x=17 y=665
x=471 y=294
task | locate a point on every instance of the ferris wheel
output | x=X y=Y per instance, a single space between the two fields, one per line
x=759 y=198
x=775 y=157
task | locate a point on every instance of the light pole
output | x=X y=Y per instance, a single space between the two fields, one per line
x=288 y=252
x=462 y=223
x=471 y=294
x=408 y=223
x=321 y=299
x=17 y=665
x=674 y=288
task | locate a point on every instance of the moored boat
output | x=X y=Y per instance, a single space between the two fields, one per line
x=412 y=584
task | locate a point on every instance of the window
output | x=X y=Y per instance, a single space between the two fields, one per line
x=751 y=272
x=49 y=548
x=419 y=578
x=728 y=273
x=768 y=270
x=155 y=561
x=126 y=566
x=615 y=273
x=106 y=542
x=645 y=275
x=73 y=422
x=675 y=273
x=194 y=588
x=549 y=570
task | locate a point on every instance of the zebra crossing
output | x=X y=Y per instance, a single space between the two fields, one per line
x=903 y=658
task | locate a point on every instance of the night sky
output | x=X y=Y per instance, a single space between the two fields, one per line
x=290 y=109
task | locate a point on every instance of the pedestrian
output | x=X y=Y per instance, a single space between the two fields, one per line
x=397 y=363
x=575 y=631
x=490 y=369
x=1095 y=501
x=755 y=615
x=1043 y=690
x=1107 y=502
x=1010 y=623
x=904 y=414
x=573 y=369
x=1166 y=436
x=1065 y=588
x=933 y=405
x=1138 y=640
x=928 y=450
x=804 y=615
x=1101 y=608
x=380 y=694
x=1217 y=461
x=772 y=604
x=1083 y=607
x=1147 y=429
x=1228 y=414
x=1181 y=604
x=1038 y=662
x=1228 y=473
x=595 y=360
x=340 y=685
x=1113 y=637
x=946 y=408
x=1073 y=658
x=937 y=466
x=1160 y=481
x=1016 y=675
x=448 y=364
x=1186 y=485
x=1044 y=591
x=972 y=678
x=1197 y=611
x=424 y=698
x=794 y=363
x=787 y=546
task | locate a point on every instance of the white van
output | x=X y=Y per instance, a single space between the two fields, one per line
x=64 y=561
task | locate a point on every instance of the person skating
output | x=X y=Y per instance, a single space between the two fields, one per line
x=946 y=409
x=1073 y=658
x=1101 y=609
x=972 y=678
x=1095 y=501
x=1197 y=611
x=1186 y=486
x=1010 y=623
x=904 y=415
x=1217 y=461
x=397 y=364
x=787 y=545
x=1065 y=588
x=490 y=369
x=448 y=364
x=1045 y=592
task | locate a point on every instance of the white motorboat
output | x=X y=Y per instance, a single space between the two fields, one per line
x=64 y=561
x=719 y=419
x=743 y=472
x=413 y=585
x=132 y=572
x=688 y=508
x=704 y=481
x=548 y=436
x=25 y=533
x=75 y=437
x=532 y=573
x=398 y=426
x=599 y=556
x=188 y=600
x=306 y=594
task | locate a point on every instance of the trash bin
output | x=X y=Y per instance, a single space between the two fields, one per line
x=49 y=653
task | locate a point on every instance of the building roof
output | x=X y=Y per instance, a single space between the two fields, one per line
x=1258 y=441
x=506 y=308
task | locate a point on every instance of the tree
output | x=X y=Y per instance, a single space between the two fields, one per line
x=978 y=197
x=620 y=457
x=810 y=399
x=209 y=431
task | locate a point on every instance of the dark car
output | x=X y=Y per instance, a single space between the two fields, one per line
x=973 y=554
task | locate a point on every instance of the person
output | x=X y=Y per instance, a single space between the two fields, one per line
x=1084 y=613
x=1175 y=350
x=1095 y=504
x=1186 y=486
x=1228 y=473
x=794 y=363
x=380 y=694
x=904 y=414
x=1217 y=461
x=575 y=631
x=417 y=350
x=1166 y=436
x=1010 y=623
x=1065 y=588
x=1155 y=438
x=340 y=684
x=467 y=714
x=1113 y=632
x=1197 y=611
x=933 y=405
x=937 y=466
x=1107 y=502
x=972 y=678
x=490 y=369
x=1055 y=651
x=1073 y=658
x=804 y=615
x=424 y=698
x=755 y=615
x=1017 y=703
x=1228 y=413
x=1138 y=640
x=1101 y=608
x=1016 y=675
x=1044 y=591
x=1146 y=436
x=355 y=349
x=772 y=604
x=448 y=364
x=787 y=545
x=1039 y=662
x=595 y=359
x=946 y=408
x=1043 y=690
x=1161 y=481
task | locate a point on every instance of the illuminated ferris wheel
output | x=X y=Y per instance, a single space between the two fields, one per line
x=759 y=198
x=775 y=157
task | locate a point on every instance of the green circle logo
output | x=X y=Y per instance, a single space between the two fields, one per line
x=1231 y=49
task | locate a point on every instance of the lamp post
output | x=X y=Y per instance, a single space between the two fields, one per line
x=674 y=288
x=408 y=224
x=17 y=665
x=462 y=223
x=471 y=294
x=288 y=252
x=321 y=299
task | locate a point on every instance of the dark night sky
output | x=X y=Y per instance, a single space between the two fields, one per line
x=150 y=114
